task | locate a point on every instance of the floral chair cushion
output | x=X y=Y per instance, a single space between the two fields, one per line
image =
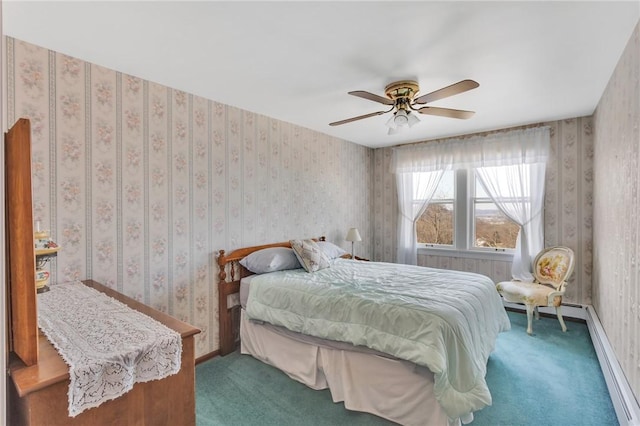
x=527 y=293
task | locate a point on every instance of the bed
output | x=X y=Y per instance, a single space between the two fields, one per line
x=407 y=343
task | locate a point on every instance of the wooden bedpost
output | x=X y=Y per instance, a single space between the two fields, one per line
x=226 y=343
x=229 y=317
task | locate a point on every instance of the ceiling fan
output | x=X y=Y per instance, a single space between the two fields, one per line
x=401 y=98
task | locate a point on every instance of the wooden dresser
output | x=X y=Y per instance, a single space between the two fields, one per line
x=38 y=393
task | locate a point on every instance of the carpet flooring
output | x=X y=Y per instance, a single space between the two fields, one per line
x=550 y=378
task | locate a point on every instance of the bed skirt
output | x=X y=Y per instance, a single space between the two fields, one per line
x=396 y=390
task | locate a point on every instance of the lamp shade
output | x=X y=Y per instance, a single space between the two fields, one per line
x=353 y=235
x=412 y=119
x=401 y=118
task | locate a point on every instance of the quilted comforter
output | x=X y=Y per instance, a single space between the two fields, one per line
x=445 y=320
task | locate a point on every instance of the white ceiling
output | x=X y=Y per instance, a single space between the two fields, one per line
x=296 y=60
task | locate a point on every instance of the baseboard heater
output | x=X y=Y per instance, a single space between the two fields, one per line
x=625 y=404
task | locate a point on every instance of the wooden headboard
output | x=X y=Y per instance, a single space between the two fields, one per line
x=230 y=272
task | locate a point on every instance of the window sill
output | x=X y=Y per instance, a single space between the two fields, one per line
x=467 y=254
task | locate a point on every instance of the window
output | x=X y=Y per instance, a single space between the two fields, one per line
x=436 y=225
x=491 y=227
x=511 y=166
x=462 y=216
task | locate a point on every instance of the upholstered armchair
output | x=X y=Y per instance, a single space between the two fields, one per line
x=552 y=268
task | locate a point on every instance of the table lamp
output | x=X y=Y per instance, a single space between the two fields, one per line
x=353 y=235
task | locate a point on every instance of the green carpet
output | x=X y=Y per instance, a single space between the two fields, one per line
x=550 y=378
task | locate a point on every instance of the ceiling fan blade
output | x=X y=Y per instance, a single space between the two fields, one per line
x=372 y=97
x=445 y=92
x=360 y=117
x=446 y=112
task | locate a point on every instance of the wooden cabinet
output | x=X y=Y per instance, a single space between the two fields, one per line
x=22 y=324
x=38 y=393
x=38 y=377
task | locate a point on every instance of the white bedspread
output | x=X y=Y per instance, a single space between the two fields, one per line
x=445 y=320
x=107 y=345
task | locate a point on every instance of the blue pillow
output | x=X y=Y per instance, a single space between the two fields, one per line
x=270 y=260
x=330 y=250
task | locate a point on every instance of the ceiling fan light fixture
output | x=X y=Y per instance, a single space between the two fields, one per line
x=391 y=123
x=401 y=118
x=413 y=119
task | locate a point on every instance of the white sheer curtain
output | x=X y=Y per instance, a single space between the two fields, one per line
x=518 y=191
x=412 y=187
x=509 y=148
x=498 y=149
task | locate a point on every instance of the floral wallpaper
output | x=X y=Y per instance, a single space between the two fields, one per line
x=568 y=209
x=141 y=184
x=616 y=239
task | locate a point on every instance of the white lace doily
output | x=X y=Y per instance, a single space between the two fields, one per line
x=107 y=345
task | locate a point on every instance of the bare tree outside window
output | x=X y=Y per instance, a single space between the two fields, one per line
x=435 y=226
x=493 y=229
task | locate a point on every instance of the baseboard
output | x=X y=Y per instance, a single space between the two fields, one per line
x=624 y=402
x=207 y=356
x=568 y=310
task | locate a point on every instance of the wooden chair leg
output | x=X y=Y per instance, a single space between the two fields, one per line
x=559 y=314
x=530 y=310
x=537 y=313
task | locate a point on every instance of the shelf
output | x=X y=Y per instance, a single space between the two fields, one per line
x=42 y=252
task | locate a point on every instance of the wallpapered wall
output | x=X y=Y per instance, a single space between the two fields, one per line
x=142 y=184
x=568 y=208
x=616 y=273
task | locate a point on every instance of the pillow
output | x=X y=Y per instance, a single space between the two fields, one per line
x=331 y=250
x=270 y=260
x=309 y=255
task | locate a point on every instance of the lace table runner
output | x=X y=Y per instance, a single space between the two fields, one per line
x=107 y=345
